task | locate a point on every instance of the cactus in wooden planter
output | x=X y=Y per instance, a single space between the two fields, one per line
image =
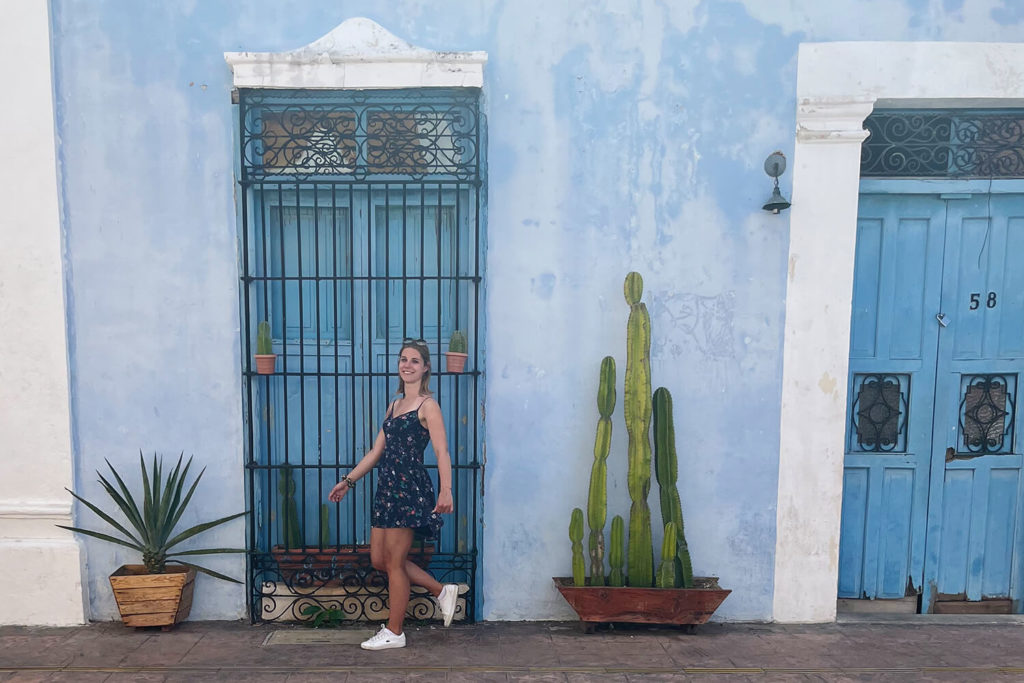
x=667 y=576
x=597 y=502
x=579 y=567
x=615 y=552
x=636 y=404
x=666 y=469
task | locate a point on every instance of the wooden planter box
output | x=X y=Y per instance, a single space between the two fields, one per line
x=153 y=599
x=681 y=606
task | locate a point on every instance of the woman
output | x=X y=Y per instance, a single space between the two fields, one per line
x=404 y=505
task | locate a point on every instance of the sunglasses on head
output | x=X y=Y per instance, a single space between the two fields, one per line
x=416 y=342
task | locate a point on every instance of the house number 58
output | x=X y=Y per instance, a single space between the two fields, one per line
x=990 y=300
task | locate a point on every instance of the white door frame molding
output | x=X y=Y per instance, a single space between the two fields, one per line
x=838 y=85
x=42 y=565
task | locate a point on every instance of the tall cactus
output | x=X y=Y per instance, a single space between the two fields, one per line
x=325 y=525
x=291 y=530
x=667 y=575
x=636 y=404
x=579 y=567
x=597 y=502
x=615 y=552
x=666 y=469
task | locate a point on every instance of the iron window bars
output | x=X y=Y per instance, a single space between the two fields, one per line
x=361 y=218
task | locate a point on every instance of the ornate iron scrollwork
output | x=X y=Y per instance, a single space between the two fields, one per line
x=286 y=586
x=394 y=135
x=943 y=144
x=987 y=408
x=879 y=413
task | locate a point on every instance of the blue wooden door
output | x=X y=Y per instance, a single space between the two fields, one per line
x=974 y=517
x=897 y=280
x=932 y=486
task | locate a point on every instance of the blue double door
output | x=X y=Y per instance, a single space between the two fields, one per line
x=932 y=485
x=344 y=272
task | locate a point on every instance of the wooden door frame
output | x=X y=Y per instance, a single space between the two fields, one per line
x=838 y=85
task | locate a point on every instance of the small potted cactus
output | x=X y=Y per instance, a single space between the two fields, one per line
x=266 y=359
x=456 y=355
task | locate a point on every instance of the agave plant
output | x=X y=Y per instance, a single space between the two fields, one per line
x=153 y=524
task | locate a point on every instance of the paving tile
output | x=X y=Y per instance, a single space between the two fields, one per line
x=423 y=677
x=164 y=649
x=534 y=649
x=30 y=677
x=537 y=678
x=61 y=677
x=33 y=650
x=137 y=677
x=228 y=676
x=102 y=649
x=476 y=677
x=698 y=653
x=319 y=677
x=490 y=656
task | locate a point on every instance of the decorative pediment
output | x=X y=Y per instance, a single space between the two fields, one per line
x=359 y=53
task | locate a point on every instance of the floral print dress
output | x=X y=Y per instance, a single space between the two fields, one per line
x=405 y=494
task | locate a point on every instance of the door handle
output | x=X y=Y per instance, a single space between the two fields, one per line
x=943 y=319
x=950 y=454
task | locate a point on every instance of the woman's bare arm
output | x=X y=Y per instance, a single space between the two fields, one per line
x=367 y=463
x=431 y=413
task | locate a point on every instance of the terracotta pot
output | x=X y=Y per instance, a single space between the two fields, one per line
x=265 y=363
x=602 y=604
x=146 y=599
x=455 y=361
x=322 y=566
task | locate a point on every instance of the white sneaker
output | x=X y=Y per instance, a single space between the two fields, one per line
x=447 y=601
x=384 y=640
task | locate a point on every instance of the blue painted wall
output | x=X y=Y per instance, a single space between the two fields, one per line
x=623 y=135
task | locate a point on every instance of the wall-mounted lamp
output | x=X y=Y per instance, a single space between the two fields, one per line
x=774 y=166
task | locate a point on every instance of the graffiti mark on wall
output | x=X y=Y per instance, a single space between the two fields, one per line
x=707 y=320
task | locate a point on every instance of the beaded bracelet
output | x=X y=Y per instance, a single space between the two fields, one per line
x=347 y=480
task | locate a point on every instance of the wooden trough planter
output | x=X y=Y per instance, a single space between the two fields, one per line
x=678 y=606
x=146 y=599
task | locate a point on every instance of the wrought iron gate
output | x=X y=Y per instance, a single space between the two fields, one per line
x=361 y=217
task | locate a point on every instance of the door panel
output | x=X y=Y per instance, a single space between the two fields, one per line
x=974 y=515
x=896 y=293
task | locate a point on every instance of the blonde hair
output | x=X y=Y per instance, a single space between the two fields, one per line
x=420 y=348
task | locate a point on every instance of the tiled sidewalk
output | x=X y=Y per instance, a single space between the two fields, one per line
x=522 y=651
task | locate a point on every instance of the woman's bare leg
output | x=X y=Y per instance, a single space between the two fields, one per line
x=397 y=543
x=420 y=577
x=378 y=553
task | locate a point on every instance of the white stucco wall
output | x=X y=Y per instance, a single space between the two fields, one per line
x=39 y=563
x=837 y=86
